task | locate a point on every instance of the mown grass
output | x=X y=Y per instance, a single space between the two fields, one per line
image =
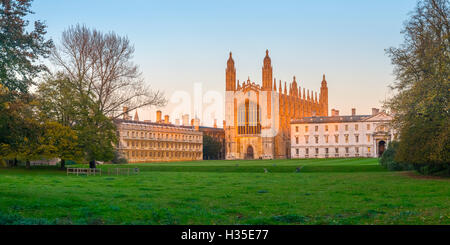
x=333 y=191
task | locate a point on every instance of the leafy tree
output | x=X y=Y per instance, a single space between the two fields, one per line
x=211 y=147
x=20 y=50
x=421 y=104
x=60 y=141
x=60 y=100
x=98 y=137
x=388 y=159
x=18 y=127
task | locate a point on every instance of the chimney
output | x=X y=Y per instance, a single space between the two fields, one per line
x=353 y=112
x=158 y=116
x=215 y=123
x=334 y=113
x=125 y=111
x=166 y=119
x=177 y=121
x=196 y=124
x=185 y=120
x=375 y=111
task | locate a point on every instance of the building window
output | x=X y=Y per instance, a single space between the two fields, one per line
x=317 y=150
x=296 y=129
x=346 y=127
x=306 y=139
x=368 y=126
x=336 y=127
x=249 y=118
x=317 y=128
x=326 y=128
x=357 y=149
x=357 y=138
x=336 y=150
x=326 y=139
x=306 y=128
x=307 y=151
x=296 y=151
x=368 y=149
x=368 y=138
x=296 y=140
x=317 y=139
x=346 y=150
x=356 y=127
x=336 y=138
x=346 y=138
x=326 y=150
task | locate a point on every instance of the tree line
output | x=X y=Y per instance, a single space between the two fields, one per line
x=420 y=105
x=68 y=113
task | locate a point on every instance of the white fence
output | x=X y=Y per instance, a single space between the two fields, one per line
x=98 y=171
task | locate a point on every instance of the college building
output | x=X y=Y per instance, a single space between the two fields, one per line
x=162 y=141
x=258 y=117
x=341 y=136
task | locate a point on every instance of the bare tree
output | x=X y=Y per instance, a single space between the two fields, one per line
x=100 y=66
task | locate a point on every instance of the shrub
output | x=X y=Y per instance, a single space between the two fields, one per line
x=118 y=158
x=433 y=169
x=388 y=159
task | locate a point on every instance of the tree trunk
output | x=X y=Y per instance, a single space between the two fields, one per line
x=15 y=162
x=28 y=164
x=63 y=163
x=92 y=164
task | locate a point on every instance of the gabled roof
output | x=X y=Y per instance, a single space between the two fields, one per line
x=382 y=116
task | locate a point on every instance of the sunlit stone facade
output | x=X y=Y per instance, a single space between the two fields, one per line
x=257 y=118
x=341 y=136
x=160 y=141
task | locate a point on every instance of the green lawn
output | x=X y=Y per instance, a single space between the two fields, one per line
x=333 y=191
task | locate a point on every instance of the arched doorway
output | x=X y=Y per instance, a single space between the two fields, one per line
x=249 y=154
x=381 y=147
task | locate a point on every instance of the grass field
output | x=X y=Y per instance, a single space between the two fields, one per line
x=333 y=191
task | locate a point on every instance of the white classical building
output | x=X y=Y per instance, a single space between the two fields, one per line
x=341 y=136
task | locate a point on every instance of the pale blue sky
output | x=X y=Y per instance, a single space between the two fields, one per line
x=179 y=43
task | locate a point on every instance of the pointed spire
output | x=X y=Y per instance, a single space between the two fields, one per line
x=308 y=95
x=280 y=88
x=136 y=116
x=299 y=92
x=274 y=84
x=304 y=94
x=285 y=90
x=315 y=98
x=230 y=62
x=324 y=81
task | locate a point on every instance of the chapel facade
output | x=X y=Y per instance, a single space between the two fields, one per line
x=257 y=117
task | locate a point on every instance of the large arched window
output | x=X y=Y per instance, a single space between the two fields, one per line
x=249 y=118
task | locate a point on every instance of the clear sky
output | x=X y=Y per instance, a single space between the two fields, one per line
x=180 y=43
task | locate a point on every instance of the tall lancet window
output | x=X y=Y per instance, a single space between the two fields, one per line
x=249 y=118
